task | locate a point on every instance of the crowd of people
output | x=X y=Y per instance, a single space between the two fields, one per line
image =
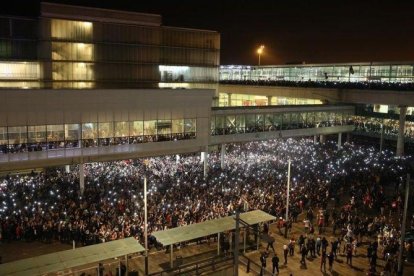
x=375 y=85
x=376 y=125
x=49 y=205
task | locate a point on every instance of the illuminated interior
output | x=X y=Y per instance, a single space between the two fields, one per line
x=255 y=100
x=73 y=30
x=19 y=70
x=72 y=60
x=22 y=71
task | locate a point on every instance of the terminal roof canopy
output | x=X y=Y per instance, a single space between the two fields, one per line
x=67 y=259
x=210 y=227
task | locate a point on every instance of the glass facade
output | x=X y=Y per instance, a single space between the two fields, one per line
x=256 y=100
x=358 y=72
x=92 y=134
x=276 y=121
x=83 y=54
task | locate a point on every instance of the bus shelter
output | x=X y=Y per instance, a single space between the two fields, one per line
x=67 y=259
x=176 y=235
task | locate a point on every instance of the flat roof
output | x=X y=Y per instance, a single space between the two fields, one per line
x=72 y=12
x=67 y=259
x=210 y=227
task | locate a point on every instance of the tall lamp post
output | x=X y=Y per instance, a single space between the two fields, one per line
x=145 y=219
x=260 y=51
x=287 y=198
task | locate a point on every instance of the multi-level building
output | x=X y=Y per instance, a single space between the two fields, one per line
x=82 y=47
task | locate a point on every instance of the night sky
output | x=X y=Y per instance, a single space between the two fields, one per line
x=292 y=31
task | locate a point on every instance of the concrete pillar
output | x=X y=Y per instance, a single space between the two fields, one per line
x=315 y=139
x=67 y=168
x=339 y=141
x=229 y=99
x=82 y=177
x=322 y=139
x=205 y=162
x=222 y=154
x=269 y=100
x=401 y=130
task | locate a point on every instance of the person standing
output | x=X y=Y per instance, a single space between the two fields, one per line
x=301 y=242
x=349 y=254
x=275 y=262
x=291 y=246
x=324 y=244
x=304 y=252
x=285 y=252
x=263 y=262
x=318 y=245
x=330 y=260
x=323 y=261
x=270 y=242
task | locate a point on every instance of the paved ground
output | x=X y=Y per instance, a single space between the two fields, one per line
x=159 y=260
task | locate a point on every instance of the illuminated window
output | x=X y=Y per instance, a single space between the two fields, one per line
x=72 y=51
x=67 y=29
x=19 y=70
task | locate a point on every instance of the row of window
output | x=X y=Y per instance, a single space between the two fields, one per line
x=98 y=31
x=353 y=73
x=249 y=123
x=22 y=138
x=132 y=53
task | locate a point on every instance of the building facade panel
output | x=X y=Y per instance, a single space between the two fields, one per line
x=106 y=49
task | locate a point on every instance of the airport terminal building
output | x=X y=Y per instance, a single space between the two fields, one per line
x=82 y=47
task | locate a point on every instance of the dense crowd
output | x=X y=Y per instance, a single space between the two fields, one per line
x=375 y=85
x=375 y=125
x=49 y=206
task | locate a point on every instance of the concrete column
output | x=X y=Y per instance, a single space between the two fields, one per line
x=401 y=130
x=229 y=98
x=269 y=100
x=67 y=168
x=339 y=141
x=222 y=154
x=205 y=161
x=315 y=139
x=82 y=177
x=322 y=139
x=348 y=137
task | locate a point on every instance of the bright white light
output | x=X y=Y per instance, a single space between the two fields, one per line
x=174 y=69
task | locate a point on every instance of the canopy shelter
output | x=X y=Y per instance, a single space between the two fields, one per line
x=67 y=259
x=207 y=228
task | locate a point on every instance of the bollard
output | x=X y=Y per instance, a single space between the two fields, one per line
x=73 y=244
x=248 y=266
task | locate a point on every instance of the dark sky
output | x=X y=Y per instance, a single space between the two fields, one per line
x=292 y=30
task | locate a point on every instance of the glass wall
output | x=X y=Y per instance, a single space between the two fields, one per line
x=260 y=122
x=71 y=30
x=255 y=100
x=19 y=70
x=48 y=137
x=187 y=74
x=323 y=72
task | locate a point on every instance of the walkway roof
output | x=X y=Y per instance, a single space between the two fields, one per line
x=62 y=260
x=210 y=227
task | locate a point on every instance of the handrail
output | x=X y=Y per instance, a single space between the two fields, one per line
x=195 y=266
x=253 y=266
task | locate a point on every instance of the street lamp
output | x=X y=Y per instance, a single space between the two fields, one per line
x=260 y=51
x=146 y=161
x=287 y=198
